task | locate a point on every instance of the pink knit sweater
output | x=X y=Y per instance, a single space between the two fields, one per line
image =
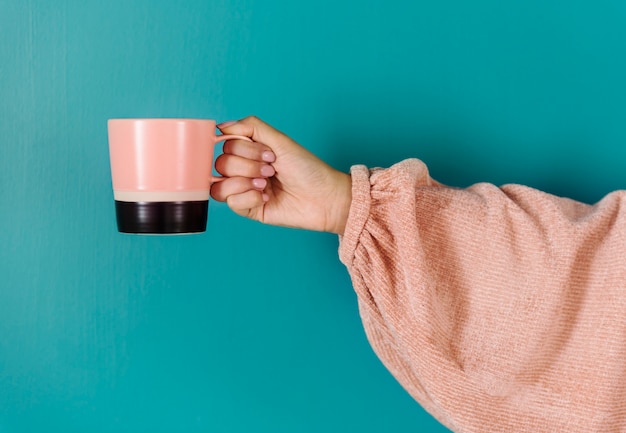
x=498 y=309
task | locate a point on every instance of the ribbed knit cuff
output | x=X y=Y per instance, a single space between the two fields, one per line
x=359 y=212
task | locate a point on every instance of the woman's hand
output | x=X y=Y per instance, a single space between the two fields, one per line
x=276 y=181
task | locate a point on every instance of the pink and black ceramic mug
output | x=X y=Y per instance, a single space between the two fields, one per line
x=162 y=173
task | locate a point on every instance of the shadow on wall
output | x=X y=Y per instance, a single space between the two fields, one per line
x=378 y=129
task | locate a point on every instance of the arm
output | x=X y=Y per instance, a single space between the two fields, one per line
x=498 y=309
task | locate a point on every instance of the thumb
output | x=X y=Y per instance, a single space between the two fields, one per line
x=260 y=132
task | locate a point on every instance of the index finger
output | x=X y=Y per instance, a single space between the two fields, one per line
x=260 y=132
x=249 y=150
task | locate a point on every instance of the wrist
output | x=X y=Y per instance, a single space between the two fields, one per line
x=339 y=207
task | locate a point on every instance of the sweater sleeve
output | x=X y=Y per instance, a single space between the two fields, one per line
x=499 y=309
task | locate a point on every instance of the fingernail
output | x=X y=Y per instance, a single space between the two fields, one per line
x=266 y=197
x=226 y=124
x=259 y=183
x=267 y=171
x=268 y=156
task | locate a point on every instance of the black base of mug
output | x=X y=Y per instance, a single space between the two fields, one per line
x=161 y=217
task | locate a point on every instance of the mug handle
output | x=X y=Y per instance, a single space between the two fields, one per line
x=219 y=138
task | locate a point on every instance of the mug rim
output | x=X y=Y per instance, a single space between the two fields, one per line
x=159 y=119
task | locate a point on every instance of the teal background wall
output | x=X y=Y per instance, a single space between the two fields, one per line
x=250 y=328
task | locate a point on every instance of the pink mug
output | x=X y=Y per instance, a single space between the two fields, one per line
x=162 y=173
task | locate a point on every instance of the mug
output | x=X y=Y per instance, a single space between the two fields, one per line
x=162 y=173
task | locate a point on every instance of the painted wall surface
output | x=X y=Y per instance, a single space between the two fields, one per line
x=250 y=328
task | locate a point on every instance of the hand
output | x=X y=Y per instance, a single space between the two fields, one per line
x=276 y=181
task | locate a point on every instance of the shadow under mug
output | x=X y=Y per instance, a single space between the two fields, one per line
x=162 y=173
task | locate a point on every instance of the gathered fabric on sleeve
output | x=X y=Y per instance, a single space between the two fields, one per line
x=499 y=309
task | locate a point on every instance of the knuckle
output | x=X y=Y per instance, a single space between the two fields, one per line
x=252 y=119
x=216 y=192
x=244 y=200
x=231 y=202
x=227 y=147
x=220 y=162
